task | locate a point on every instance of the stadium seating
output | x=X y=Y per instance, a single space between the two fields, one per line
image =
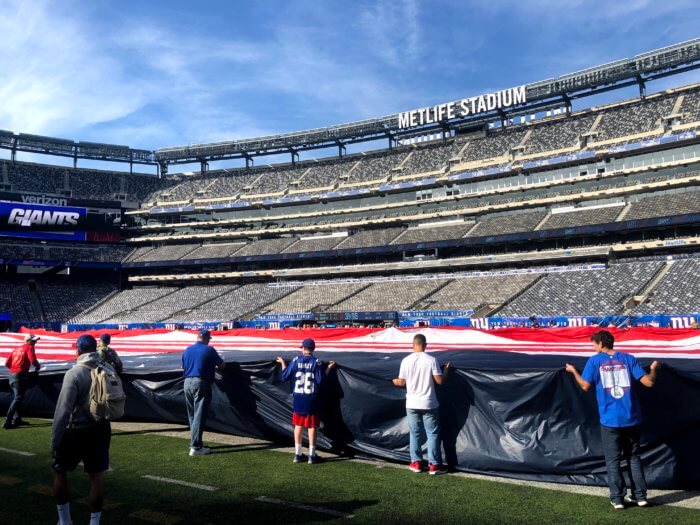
x=167 y=305
x=508 y=203
x=428 y=158
x=436 y=233
x=497 y=143
x=137 y=253
x=389 y=296
x=508 y=223
x=369 y=238
x=265 y=246
x=214 y=251
x=106 y=253
x=125 y=301
x=315 y=298
x=609 y=210
x=64 y=300
x=275 y=180
x=559 y=134
x=311 y=244
x=16 y=300
x=581 y=217
x=663 y=205
x=79 y=183
x=169 y=252
x=470 y=293
x=678 y=292
x=238 y=303
x=590 y=292
x=633 y=118
x=690 y=107
x=325 y=173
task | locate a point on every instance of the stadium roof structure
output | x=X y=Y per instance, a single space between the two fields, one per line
x=75 y=150
x=670 y=60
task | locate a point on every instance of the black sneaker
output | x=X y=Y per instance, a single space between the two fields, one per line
x=298 y=458
x=7 y=425
x=314 y=460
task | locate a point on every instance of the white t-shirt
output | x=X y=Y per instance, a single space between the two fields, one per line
x=418 y=370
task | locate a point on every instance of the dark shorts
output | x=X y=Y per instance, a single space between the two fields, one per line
x=89 y=445
x=308 y=421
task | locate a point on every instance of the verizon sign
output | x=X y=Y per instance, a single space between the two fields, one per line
x=463 y=108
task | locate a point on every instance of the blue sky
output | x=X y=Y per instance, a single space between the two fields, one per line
x=164 y=73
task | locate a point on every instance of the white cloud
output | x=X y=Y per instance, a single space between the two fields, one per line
x=51 y=79
x=393 y=29
x=60 y=76
x=138 y=80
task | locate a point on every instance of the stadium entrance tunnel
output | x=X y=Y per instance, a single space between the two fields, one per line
x=504 y=414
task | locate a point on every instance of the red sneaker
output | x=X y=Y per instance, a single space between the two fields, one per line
x=436 y=470
x=415 y=466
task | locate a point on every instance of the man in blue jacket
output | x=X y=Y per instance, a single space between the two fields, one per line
x=612 y=373
x=199 y=363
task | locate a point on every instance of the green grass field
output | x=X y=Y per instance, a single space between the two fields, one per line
x=244 y=473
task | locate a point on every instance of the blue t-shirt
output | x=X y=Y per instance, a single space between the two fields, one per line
x=200 y=360
x=612 y=376
x=307 y=374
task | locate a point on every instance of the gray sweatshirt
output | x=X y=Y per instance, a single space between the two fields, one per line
x=72 y=407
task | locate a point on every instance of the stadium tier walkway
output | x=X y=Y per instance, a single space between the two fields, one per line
x=679 y=498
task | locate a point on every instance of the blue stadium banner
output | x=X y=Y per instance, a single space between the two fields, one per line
x=23 y=217
x=46 y=236
x=284 y=317
x=434 y=313
x=53 y=222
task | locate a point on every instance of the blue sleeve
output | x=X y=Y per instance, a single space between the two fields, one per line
x=217 y=357
x=635 y=368
x=318 y=373
x=287 y=372
x=590 y=372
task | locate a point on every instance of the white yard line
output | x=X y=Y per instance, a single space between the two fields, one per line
x=18 y=452
x=183 y=483
x=303 y=506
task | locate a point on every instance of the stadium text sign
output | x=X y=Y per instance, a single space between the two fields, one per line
x=27 y=218
x=468 y=106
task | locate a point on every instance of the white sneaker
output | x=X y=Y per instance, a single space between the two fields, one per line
x=635 y=501
x=617 y=506
x=202 y=451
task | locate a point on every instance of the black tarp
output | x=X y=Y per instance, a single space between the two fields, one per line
x=504 y=414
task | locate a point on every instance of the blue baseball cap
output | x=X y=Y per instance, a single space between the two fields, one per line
x=105 y=338
x=86 y=343
x=308 y=343
x=204 y=333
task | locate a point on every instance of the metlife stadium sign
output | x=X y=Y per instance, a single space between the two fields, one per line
x=463 y=108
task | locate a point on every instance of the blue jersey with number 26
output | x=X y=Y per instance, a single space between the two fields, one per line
x=306 y=375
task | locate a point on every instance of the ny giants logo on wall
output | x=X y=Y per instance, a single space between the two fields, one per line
x=28 y=218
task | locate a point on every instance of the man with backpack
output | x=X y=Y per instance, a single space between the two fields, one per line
x=90 y=396
x=18 y=363
x=108 y=354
